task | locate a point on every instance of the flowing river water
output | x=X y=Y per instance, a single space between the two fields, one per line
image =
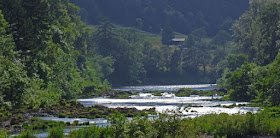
x=167 y=102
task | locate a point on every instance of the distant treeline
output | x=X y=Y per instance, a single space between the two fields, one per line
x=151 y=15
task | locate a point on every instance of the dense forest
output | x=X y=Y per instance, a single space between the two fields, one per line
x=53 y=52
x=253 y=73
x=151 y=15
x=48 y=53
x=208 y=27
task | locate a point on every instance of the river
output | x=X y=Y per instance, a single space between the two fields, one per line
x=167 y=102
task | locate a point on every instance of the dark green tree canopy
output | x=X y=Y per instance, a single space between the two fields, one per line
x=167 y=35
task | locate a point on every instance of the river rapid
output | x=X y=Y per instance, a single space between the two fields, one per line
x=192 y=106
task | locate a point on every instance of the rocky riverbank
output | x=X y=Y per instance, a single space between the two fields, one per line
x=14 y=120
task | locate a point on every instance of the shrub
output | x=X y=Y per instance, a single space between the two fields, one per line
x=26 y=134
x=61 y=115
x=3 y=134
x=92 y=132
x=56 y=132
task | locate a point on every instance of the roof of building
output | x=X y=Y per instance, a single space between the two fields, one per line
x=179 y=39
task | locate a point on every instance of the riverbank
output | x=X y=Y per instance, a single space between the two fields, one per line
x=183 y=92
x=263 y=124
x=15 y=120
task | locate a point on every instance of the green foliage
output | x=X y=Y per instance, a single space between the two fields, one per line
x=125 y=51
x=265 y=123
x=43 y=124
x=252 y=82
x=13 y=78
x=221 y=38
x=26 y=134
x=56 y=132
x=3 y=134
x=239 y=83
x=92 y=132
x=167 y=35
x=105 y=38
x=190 y=41
x=117 y=125
x=44 y=54
x=235 y=61
x=184 y=16
x=256 y=35
x=256 y=31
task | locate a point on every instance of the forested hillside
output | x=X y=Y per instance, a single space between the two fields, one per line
x=53 y=54
x=46 y=54
x=253 y=74
x=151 y=15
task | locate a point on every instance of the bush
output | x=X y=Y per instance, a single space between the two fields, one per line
x=3 y=134
x=56 y=132
x=75 y=123
x=92 y=132
x=61 y=115
x=26 y=134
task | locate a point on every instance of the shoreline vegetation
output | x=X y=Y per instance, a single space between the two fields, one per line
x=18 y=120
x=25 y=119
x=50 y=56
x=183 y=92
x=15 y=120
x=266 y=123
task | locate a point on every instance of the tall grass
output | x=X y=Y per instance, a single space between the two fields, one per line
x=265 y=123
x=56 y=132
x=26 y=134
x=217 y=125
x=92 y=132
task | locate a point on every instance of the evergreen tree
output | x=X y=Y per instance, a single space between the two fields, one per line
x=105 y=37
x=167 y=35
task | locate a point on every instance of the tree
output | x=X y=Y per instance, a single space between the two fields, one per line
x=105 y=37
x=256 y=32
x=221 y=38
x=176 y=62
x=199 y=33
x=44 y=53
x=13 y=78
x=236 y=61
x=190 y=41
x=239 y=83
x=167 y=35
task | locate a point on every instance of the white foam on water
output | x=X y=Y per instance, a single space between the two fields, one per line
x=171 y=102
x=166 y=87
